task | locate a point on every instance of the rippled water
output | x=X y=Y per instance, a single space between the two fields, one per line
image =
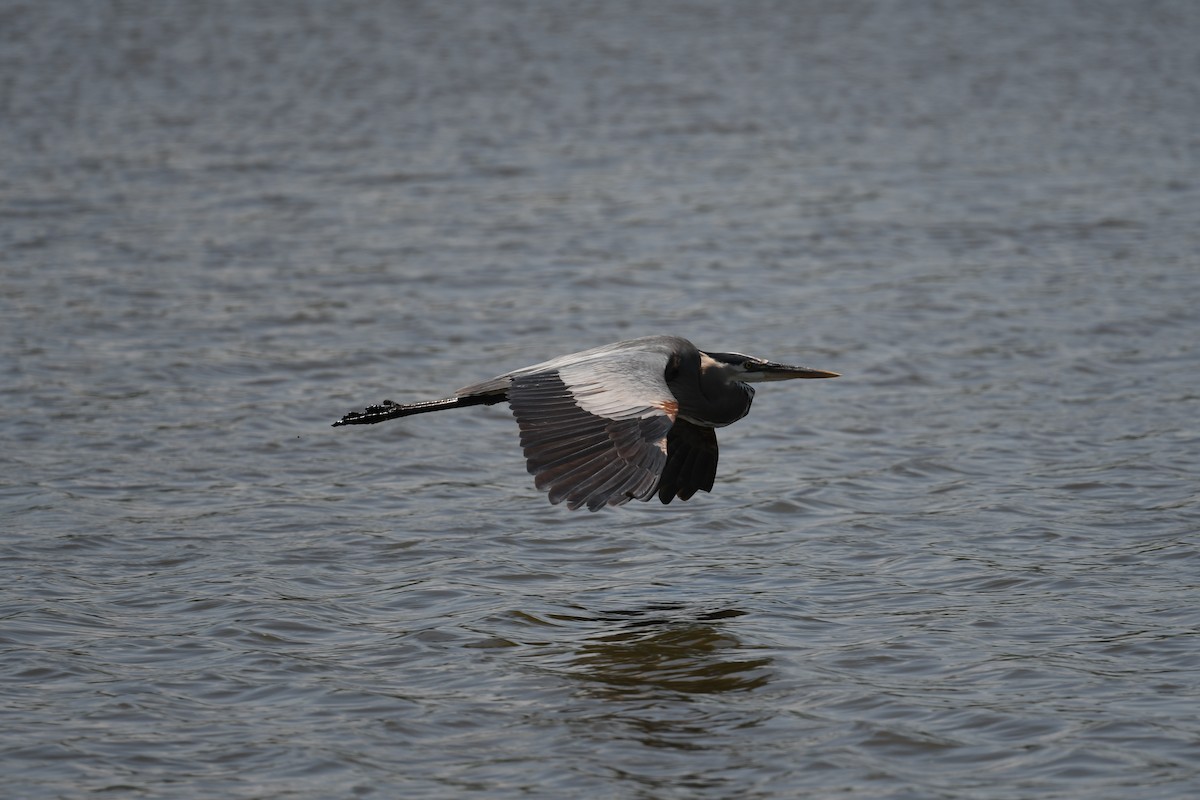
x=968 y=568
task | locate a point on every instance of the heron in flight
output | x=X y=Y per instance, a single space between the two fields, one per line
x=627 y=420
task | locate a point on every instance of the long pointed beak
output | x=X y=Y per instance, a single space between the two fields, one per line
x=770 y=371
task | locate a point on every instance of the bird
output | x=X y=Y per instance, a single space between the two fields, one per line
x=630 y=420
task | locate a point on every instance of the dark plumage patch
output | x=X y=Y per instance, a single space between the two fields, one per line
x=672 y=369
x=691 y=461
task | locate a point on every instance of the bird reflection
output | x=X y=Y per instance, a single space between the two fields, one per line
x=653 y=655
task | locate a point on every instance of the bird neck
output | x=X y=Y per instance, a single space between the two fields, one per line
x=715 y=401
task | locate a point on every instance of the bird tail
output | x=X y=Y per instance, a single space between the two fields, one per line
x=389 y=410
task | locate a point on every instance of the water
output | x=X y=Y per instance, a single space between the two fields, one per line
x=967 y=568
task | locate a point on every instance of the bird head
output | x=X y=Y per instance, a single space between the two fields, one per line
x=748 y=369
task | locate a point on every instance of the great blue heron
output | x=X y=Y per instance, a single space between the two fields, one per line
x=627 y=420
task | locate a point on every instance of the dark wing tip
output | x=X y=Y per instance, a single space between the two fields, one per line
x=691 y=462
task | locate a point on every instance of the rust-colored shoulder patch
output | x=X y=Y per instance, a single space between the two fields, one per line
x=669 y=406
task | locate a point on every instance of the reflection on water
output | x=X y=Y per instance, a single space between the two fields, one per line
x=654 y=655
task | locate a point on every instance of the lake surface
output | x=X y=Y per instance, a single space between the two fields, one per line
x=969 y=568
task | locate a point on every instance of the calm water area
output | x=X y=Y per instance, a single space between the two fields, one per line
x=968 y=568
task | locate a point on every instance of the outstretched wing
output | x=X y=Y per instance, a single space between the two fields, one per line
x=595 y=431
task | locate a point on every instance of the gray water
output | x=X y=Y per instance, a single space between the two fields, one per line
x=966 y=569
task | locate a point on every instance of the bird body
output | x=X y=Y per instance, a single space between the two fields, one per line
x=624 y=421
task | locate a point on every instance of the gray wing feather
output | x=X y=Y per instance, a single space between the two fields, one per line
x=595 y=431
x=594 y=424
x=621 y=358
